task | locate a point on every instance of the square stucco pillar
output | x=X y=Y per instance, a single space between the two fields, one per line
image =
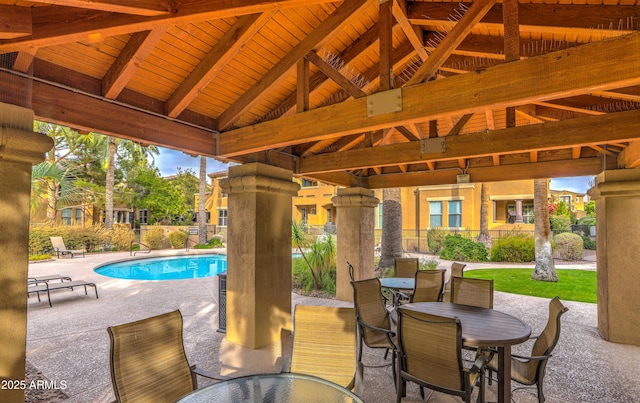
x=258 y=253
x=355 y=240
x=617 y=196
x=20 y=148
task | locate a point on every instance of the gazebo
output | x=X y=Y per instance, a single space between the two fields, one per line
x=364 y=94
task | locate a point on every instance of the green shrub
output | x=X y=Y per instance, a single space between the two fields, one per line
x=178 y=238
x=515 y=249
x=35 y=258
x=121 y=237
x=303 y=281
x=560 y=223
x=154 y=237
x=569 y=246
x=587 y=221
x=462 y=249
x=435 y=239
x=75 y=237
x=588 y=243
x=428 y=263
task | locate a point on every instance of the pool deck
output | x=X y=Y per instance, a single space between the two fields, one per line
x=69 y=341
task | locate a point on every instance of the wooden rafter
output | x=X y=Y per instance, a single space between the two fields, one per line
x=414 y=34
x=137 y=7
x=15 y=22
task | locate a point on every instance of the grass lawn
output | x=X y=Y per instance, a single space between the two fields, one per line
x=572 y=285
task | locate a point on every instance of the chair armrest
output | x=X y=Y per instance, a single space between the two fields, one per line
x=530 y=358
x=389 y=332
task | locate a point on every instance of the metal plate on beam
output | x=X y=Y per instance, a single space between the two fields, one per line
x=431 y=146
x=384 y=102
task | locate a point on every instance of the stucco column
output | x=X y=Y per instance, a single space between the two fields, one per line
x=355 y=240
x=20 y=148
x=258 y=253
x=617 y=195
x=519 y=218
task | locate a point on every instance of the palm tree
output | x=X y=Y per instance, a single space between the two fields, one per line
x=391 y=242
x=484 y=236
x=202 y=194
x=110 y=183
x=53 y=183
x=545 y=269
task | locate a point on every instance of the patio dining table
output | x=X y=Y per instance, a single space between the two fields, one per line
x=272 y=388
x=482 y=327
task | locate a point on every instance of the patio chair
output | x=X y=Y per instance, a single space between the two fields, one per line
x=404 y=267
x=148 y=362
x=324 y=345
x=457 y=270
x=472 y=291
x=38 y=286
x=430 y=355
x=374 y=322
x=60 y=248
x=530 y=370
x=428 y=286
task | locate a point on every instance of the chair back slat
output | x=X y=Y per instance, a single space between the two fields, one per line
x=148 y=361
x=324 y=343
x=405 y=266
x=472 y=291
x=428 y=286
x=430 y=349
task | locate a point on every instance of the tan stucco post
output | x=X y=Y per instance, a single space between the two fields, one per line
x=258 y=253
x=20 y=148
x=355 y=240
x=617 y=195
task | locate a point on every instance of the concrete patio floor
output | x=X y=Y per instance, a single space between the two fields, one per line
x=69 y=341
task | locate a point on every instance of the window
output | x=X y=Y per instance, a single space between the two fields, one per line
x=455 y=213
x=380 y=215
x=143 y=216
x=78 y=216
x=435 y=214
x=222 y=217
x=527 y=213
x=566 y=200
x=306 y=183
x=303 y=213
x=66 y=216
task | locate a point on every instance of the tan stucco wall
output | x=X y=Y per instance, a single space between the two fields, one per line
x=617 y=195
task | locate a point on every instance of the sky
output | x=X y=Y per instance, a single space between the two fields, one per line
x=169 y=160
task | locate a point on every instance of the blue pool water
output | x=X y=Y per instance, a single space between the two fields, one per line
x=168 y=268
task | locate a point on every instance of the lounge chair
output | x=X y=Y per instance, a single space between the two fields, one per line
x=60 y=248
x=46 y=279
x=37 y=288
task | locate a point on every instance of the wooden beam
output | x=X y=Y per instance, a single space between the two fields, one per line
x=493 y=88
x=137 y=7
x=630 y=156
x=344 y=83
x=594 y=130
x=462 y=28
x=511 y=45
x=129 y=60
x=602 y=150
x=385 y=44
x=70 y=108
x=575 y=152
x=15 y=22
x=568 y=108
x=225 y=49
x=302 y=88
x=455 y=130
x=414 y=34
x=496 y=159
x=23 y=61
x=617 y=95
x=551 y=169
x=316 y=38
x=78 y=25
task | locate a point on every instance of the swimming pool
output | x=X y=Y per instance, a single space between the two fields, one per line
x=166 y=268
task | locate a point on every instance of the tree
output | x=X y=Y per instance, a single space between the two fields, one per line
x=484 y=236
x=163 y=200
x=545 y=269
x=202 y=194
x=391 y=242
x=110 y=183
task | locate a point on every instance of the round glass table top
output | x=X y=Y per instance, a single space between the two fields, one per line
x=272 y=388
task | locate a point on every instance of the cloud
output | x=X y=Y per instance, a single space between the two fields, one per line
x=578 y=184
x=168 y=162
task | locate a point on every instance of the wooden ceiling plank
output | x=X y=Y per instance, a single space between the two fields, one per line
x=593 y=130
x=617 y=95
x=451 y=41
x=316 y=38
x=603 y=150
x=335 y=75
x=540 y=17
x=492 y=88
x=146 y=8
x=630 y=156
x=227 y=47
x=15 y=22
x=413 y=34
x=317 y=147
x=129 y=60
x=568 y=108
x=351 y=142
x=75 y=25
x=549 y=169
